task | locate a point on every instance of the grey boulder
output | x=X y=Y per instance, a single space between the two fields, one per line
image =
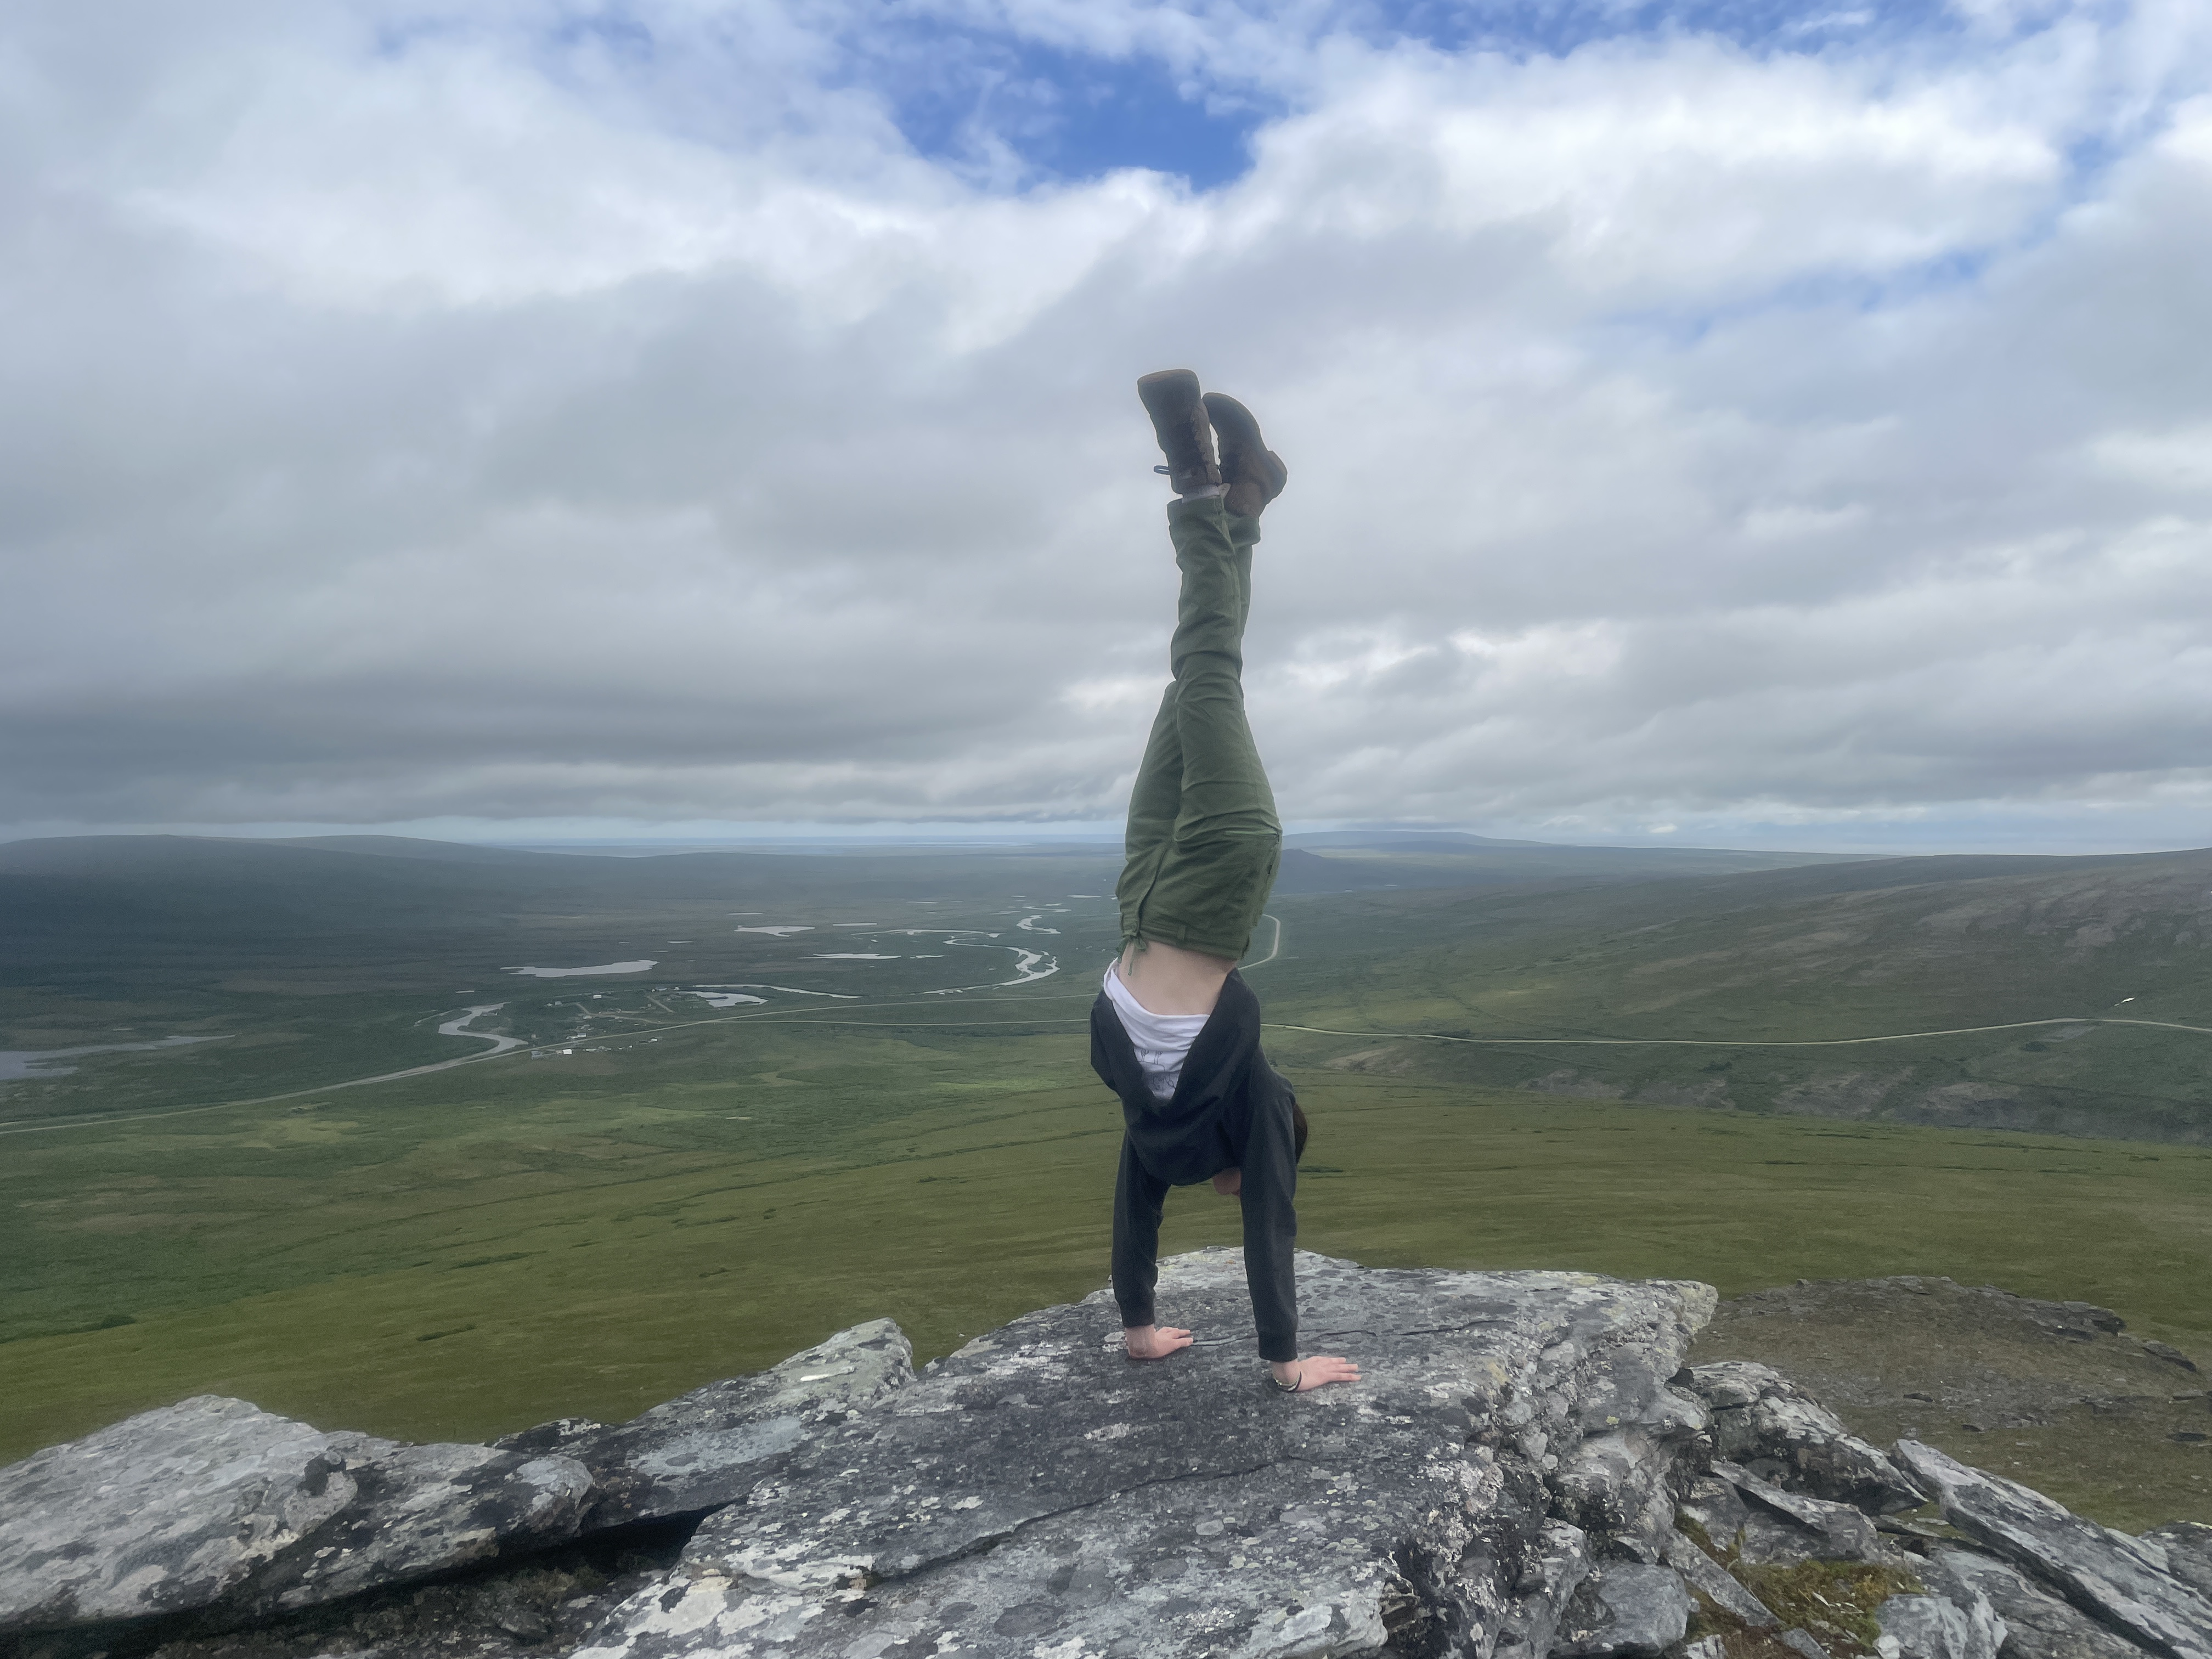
x=1037 y=1493
x=214 y=1503
x=2106 y=1571
x=710 y=1447
x=1624 y=1608
x=1769 y=1424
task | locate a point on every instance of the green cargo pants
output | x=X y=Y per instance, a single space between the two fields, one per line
x=1203 y=841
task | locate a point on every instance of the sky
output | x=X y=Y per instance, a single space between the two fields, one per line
x=1729 y=423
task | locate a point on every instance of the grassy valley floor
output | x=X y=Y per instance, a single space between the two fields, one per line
x=461 y=1254
x=762 y=1098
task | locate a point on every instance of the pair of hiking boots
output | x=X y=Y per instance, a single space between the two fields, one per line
x=1188 y=422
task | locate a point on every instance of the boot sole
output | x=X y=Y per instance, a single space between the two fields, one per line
x=1170 y=388
x=1171 y=396
x=1235 y=424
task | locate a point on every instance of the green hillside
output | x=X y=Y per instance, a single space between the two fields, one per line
x=1715 y=969
x=672 y=1182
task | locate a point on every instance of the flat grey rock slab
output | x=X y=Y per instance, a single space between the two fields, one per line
x=1766 y=1423
x=2038 y=1625
x=1934 y=1627
x=711 y=1446
x=1036 y=1493
x=215 y=1503
x=2104 y=1572
x=1624 y=1608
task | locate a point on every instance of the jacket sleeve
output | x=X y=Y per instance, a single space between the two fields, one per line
x=1271 y=1220
x=1139 y=1200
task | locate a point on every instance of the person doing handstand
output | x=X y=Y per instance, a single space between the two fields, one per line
x=1176 y=1031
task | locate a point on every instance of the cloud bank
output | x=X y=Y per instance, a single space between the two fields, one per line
x=720 y=411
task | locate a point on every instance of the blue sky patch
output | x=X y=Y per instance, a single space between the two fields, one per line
x=1068 y=116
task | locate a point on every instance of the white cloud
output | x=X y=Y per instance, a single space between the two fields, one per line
x=461 y=421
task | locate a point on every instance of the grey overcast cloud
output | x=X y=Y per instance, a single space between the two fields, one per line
x=1738 y=425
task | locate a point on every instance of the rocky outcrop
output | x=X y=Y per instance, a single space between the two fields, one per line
x=1780 y=1433
x=1036 y=1492
x=215 y=1506
x=2039 y=1624
x=2106 y=1572
x=1523 y=1473
x=216 y=1501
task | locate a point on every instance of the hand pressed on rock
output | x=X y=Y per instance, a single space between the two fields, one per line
x=1316 y=1372
x=1154 y=1341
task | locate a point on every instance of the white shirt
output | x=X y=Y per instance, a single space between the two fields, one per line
x=1162 y=1041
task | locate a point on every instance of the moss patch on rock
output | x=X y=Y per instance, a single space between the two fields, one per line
x=1835 y=1601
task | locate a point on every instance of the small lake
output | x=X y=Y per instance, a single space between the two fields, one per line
x=18 y=1063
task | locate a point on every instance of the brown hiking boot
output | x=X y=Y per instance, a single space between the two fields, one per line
x=1171 y=397
x=1255 y=475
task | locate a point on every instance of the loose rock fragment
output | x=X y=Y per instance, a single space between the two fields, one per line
x=1624 y=1608
x=1931 y=1627
x=1716 y=1582
x=1844 y=1534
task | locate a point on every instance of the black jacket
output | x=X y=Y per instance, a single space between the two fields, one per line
x=1231 y=1109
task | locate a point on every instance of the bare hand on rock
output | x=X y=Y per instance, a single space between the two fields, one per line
x=1154 y=1341
x=1318 y=1371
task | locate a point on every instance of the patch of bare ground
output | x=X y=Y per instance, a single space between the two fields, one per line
x=2058 y=1395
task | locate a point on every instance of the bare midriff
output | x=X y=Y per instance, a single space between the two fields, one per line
x=1166 y=979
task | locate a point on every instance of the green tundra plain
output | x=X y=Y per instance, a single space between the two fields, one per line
x=1606 y=1066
